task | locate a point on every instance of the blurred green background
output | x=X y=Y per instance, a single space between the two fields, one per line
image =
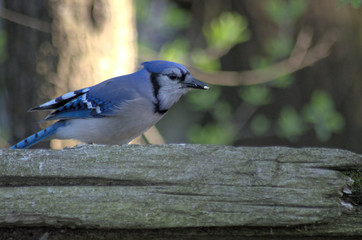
x=282 y=72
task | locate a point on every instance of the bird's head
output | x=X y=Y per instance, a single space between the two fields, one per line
x=173 y=74
x=170 y=81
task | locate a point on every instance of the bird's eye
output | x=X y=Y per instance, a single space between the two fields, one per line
x=172 y=76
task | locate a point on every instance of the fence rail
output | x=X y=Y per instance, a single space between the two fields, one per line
x=181 y=190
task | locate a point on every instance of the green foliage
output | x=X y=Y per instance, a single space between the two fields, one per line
x=260 y=124
x=203 y=61
x=282 y=82
x=141 y=11
x=354 y=3
x=356 y=175
x=211 y=134
x=222 y=111
x=285 y=12
x=3 y=42
x=259 y=62
x=226 y=31
x=220 y=132
x=279 y=47
x=204 y=100
x=177 y=18
x=320 y=112
x=175 y=51
x=157 y=25
x=222 y=34
x=256 y=95
x=171 y=16
x=290 y=124
x=4 y=136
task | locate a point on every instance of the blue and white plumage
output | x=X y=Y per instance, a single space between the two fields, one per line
x=117 y=110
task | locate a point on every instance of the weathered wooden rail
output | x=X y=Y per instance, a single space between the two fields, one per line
x=180 y=191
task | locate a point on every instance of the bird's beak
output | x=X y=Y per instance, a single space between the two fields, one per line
x=194 y=83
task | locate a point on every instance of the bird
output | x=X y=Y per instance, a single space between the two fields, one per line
x=117 y=110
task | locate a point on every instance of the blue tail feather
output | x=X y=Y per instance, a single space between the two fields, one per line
x=39 y=136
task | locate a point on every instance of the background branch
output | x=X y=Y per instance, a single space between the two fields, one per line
x=295 y=63
x=24 y=20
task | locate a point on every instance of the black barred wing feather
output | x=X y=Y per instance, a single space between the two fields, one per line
x=101 y=100
x=61 y=101
x=84 y=106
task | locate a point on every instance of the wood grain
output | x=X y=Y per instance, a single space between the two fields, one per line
x=174 y=186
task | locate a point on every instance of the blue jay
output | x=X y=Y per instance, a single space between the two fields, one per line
x=117 y=110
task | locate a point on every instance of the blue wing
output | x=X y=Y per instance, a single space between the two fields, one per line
x=84 y=106
x=102 y=100
x=99 y=101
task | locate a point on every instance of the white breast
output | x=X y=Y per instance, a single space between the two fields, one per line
x=136 y=117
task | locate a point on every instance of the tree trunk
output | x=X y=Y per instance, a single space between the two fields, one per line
x=87 y=42
x=22 y=84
